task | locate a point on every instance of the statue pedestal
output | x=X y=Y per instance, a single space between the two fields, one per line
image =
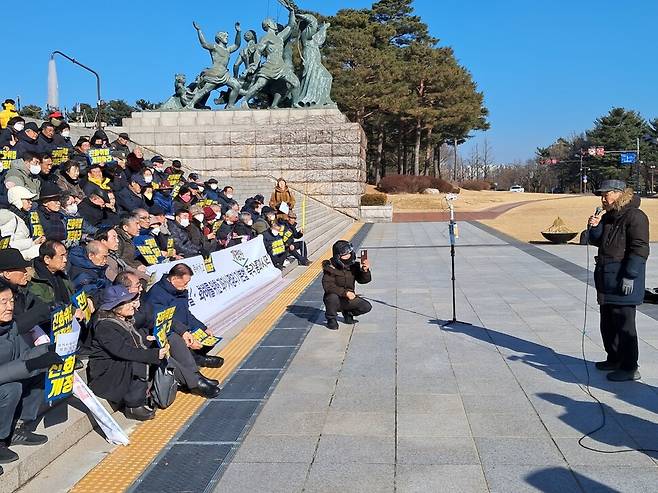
x=316 y=150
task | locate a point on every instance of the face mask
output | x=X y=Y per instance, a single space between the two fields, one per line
x=72 y=209
x=199 y=217
x=250 y=222
x=213 y=186
x=19 y=127
x=66 y=134
x=35 y=169
x=148 y=179
x=229 y=195
x=155 y=231
x=185 y=222
x=275 y=232
x=185 y=198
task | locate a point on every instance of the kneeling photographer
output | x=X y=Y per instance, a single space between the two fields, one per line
x=339 y=277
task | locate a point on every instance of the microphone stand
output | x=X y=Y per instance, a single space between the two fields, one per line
x=453 y=233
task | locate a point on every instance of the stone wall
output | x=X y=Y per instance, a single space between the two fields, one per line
x=317 y=150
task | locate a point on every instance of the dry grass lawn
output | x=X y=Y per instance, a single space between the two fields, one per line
x=527 y=221
x=468 y=200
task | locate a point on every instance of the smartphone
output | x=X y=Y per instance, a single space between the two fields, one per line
x=364 y=255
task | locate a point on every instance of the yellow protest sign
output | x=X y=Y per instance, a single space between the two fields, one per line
x=81 y=301
x=61 y=320
x=73 y=230
x=35 y=225
x=209 y=264
x=60 y=155
x=205 y=339
x=6 y=157
x=4 y=242
x=99 y=156
x=59 y=379
x=163 y=321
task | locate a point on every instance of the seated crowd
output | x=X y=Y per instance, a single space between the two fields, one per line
x=78 y=220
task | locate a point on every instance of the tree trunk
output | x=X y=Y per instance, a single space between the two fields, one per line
x=428 y=151
x=400 y=153
x=419 y=132
x=380 y=170
x=437 y=161
x=405 y=153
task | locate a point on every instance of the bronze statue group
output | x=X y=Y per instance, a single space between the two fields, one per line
x=269 y=78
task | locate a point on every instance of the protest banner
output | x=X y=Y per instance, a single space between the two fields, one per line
x=60 y=155
x=171 y=251
x=35 y=225
x=4 y=242
x=113 y=432
x=240 y=271
x=6 y=157
x=162 y=325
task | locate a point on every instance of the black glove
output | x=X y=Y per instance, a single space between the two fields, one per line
x=45 y=360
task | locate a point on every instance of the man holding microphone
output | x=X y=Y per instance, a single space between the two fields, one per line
x=621 y=233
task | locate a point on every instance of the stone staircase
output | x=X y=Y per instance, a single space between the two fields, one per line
x=66 y=425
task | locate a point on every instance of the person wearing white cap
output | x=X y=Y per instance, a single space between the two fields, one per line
x=13 y=223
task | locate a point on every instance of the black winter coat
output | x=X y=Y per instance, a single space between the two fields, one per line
x=14 y=352
x=128 y=201
x=115 y=347
x=182 y=242
x=52 y=223
x=339 y=281
x=623 y=240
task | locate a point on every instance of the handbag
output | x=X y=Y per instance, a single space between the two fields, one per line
x=164 y=385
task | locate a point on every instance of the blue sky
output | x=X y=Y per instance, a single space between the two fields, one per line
x=546 y=68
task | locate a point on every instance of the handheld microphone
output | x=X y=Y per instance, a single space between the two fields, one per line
x=598 y=211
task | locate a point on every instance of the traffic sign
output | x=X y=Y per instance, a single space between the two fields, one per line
x=628 y=157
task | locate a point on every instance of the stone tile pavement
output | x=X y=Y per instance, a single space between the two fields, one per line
x=400 y=403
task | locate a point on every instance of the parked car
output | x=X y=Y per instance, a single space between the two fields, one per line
x=517 y=188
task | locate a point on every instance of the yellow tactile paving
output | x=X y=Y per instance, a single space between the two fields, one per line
x=122 y=467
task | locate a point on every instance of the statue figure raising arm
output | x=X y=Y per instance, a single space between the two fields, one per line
x=217 y=75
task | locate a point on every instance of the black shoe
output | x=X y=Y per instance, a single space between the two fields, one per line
x=23 y=436
x=6 y=455
x=332 y=324
x=606 y=365
x=210 y=381
x=349 y=318
x=141 y=413
x=205 y=389
x=623 y=375
x=305 y=263
x=210 y=361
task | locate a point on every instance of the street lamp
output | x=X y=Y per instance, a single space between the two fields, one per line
x=98 y=83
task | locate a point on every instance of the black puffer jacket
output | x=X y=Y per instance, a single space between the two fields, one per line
x=339 y=280
x=623 y=240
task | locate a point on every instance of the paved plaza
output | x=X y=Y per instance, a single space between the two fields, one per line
x=400 y=403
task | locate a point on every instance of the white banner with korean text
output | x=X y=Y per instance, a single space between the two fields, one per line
x=225 y=280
